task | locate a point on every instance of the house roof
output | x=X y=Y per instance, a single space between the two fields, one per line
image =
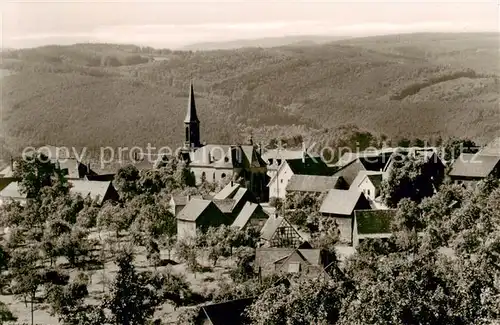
x=227 y=192
x=94 y=189
x=240 y=195
x=7 y=172
x=226 y=205
x=340 y=201
x=267 y=256
x=492 y=148
x=284 y=154
x=376 y=179
x=361 y=176
x=249 y=210
x=272 y=224
x=179 y=199
x=12 y=191
x=309 y=166
x=228 y=312
x=474 y=165
x=311 y=183
x=350 y=171
x=83 y=187
x=193 y=210
x=374 y=221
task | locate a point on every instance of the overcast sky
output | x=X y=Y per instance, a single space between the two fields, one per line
x=177 y=23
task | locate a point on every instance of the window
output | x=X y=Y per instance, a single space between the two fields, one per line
x=223 y=175
x=213 y=176
x=281 y=180
x=368 y=192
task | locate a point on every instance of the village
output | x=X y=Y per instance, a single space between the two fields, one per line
x=307 y=214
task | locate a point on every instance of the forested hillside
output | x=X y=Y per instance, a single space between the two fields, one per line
x=420 y=85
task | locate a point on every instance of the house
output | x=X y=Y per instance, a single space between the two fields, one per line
x=99 y=191
x=217 y=162
x=307 y=165
x=252 y=215
x=350 y=171
x=370 y=184
x=275 y=157
x=178 y=202
x=340 y=204
x=224 y=313
x=372 y=224
x=468 y=169
x=199 y=214
x=279 y=232
x=11 y=192
x=314 y=184
x=238 y=194
x=306 y=262
x=374 y=160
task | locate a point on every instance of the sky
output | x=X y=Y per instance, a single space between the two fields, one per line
x=173 y=24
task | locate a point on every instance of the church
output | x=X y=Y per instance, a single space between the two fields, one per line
x=240 y=163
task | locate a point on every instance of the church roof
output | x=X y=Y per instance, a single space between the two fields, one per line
x=191 y=115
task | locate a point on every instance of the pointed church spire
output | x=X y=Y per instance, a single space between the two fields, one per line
x=191 y=115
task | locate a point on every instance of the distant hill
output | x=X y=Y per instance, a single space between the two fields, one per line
x=297 y=40
x=417 y=85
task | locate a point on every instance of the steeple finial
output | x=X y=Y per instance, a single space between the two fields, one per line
x=191 y=115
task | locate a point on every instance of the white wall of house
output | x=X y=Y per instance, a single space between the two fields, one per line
x=186 y=229
x=278 y=185
x=368 y=189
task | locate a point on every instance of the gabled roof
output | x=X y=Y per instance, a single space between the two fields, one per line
x=94 y=189
x=193 y=210
x=226 y=206
x=350 y=171
x=228 y=312
x=282 y=154
x=308 y=166
x=7 y=172
x=311 y=183
x=249 y=209
x=227 y=192
x=179 y=199
x=12 y=191
x=361 y=176
x=340 y=202
x=474 y=165
x=492 y=148
x=374 y=221
x=376 y=179
x=272 y=224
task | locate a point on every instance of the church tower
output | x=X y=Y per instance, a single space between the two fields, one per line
x=191 y=123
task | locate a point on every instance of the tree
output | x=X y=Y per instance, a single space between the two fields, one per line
x=126 y=181
x=304 y=301
x=132 y=300
x=187 y=251
x=453 y=148
x=36 y=171
x=407 y=179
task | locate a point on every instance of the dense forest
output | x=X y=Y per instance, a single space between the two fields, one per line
x=415 y=85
